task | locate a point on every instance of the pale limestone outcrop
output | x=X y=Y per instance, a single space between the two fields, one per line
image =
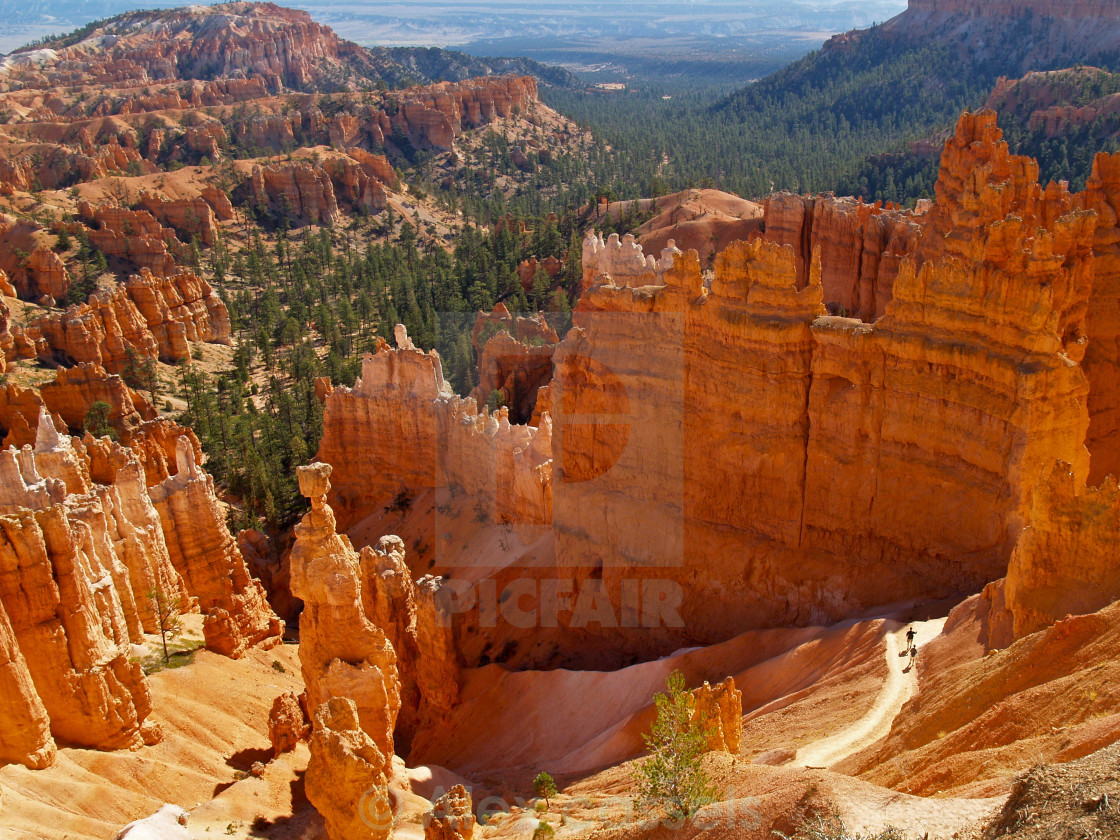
x=719 y=711
x=451 y=817
x=206 y=555
x=623 y=260
x=347 y=776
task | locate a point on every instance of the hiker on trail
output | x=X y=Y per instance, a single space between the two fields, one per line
x=913 y=654
x=910 y=634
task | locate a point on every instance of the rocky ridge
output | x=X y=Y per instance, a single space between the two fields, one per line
x=90 y=540
x=854 y=458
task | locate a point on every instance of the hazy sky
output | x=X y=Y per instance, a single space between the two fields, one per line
x=450 y=22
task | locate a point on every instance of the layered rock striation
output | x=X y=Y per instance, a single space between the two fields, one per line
x=514 y=361
x=724 y=454
x=412 y=433
x=83 y=552
x=861 y=247
x=237 y=614
x=149 y=316
x=367 y=631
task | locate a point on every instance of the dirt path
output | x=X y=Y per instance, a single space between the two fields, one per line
x=899 y=687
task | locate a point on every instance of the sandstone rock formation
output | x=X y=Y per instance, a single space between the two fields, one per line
x=719 y=710
x=83 y=549
x=277 y=46
x=343 y=654
x=861 y=247
x=135 y=236
x=514 y=360
x=74 y=391
x=192 y=216
x=61 y=587
x=403 y=418
x=418 y=625
x=287 y=723
x=206 y=555
x=799 y=444
x=397 y=660
x=179 y=309
x=43 y=276
x=25 y=737
x=299 y=192
x=347 y=777
x=149 y=316
x=451 y=817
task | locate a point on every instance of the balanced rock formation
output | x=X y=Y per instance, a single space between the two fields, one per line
x=398 y=659
x=237 y=615
x=342 y=652
x=451 y=817
x=347 y=776
x=719 y=712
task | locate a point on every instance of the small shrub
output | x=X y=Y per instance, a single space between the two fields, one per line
x=544 y=786
x=672 y=778
x=276 y=666
x=401 y=502
x=544 y=831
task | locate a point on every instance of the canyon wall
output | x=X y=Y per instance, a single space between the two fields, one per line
x=861 y=247
x=401 y=430
x=821 y=459
x=763 y=462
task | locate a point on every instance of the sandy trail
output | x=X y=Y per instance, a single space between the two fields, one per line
x=900 y=686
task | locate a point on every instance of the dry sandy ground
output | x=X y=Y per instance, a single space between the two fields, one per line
x=810 y=695
x=214 y=714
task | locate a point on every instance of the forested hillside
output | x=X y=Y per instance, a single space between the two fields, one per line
x=825 y=122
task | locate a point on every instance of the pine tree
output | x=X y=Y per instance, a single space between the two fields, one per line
x=672 y=779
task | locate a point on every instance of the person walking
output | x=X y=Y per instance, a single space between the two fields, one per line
x=910 y=634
